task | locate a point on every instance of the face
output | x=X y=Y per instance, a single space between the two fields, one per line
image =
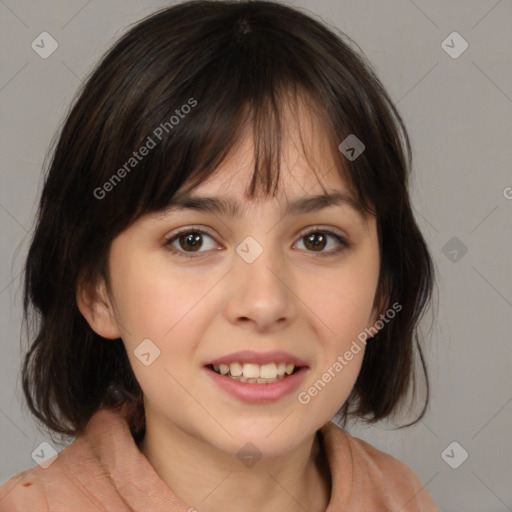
x=267 y=288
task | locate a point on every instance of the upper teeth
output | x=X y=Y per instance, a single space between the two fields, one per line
x=255 y=371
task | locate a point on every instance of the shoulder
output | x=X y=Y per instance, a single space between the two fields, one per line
x=83 y=475
x=378 y=473
x=22 y=492
x=39 y=488
x=400 y=481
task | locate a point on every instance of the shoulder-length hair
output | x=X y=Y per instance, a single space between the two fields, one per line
x=233 y=63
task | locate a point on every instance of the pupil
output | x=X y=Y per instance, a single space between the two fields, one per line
x=192 y=239
x=316 y=244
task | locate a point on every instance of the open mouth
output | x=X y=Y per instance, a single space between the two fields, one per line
x=255 y=373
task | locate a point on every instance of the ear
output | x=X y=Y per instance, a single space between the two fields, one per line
x=94 y=303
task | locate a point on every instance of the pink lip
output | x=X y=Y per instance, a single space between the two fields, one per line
x=249 y=356
x=258 y=393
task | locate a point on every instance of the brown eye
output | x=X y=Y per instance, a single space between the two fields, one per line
x=190 y=241
x=316 y=241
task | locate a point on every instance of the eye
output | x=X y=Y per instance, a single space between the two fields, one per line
x=189 y=241
x=317 y=239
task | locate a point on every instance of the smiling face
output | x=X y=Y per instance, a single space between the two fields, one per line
x=280 y=283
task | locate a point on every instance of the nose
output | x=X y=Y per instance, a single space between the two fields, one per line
x=261 y=293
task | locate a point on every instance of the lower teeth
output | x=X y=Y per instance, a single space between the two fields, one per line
x=255 y=381
x=252 y=381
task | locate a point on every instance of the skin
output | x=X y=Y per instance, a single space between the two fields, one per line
x=198 y=309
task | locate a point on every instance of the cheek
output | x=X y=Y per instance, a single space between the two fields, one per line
x=343 y=304
x=169 y=307
x=343 y=301
x=329 y=389
x=153 y=298
x=158 y=305
x=344 y=314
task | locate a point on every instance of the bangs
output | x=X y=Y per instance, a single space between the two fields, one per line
x=187 y=116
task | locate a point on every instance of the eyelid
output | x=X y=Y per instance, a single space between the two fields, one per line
x=187 y=229
x=320 y=227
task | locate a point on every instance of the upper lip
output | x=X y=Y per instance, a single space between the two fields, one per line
x=250 y=356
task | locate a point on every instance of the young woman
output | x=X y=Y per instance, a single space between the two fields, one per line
x=225 y=259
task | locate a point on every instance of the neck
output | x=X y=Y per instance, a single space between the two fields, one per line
x=212 y=480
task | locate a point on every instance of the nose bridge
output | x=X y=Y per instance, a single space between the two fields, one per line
x=260 y=291
x=258 y=260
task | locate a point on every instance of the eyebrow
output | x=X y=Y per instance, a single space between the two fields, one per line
x=229 y=207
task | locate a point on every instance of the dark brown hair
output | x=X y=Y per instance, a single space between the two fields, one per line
x=235 y=64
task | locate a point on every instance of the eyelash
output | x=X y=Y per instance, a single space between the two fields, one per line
x=344 y=244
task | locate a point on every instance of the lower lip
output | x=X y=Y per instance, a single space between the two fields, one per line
x=259 y=393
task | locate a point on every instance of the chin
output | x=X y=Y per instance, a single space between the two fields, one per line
x=269 y=436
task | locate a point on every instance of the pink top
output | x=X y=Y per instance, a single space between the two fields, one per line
x=103 y=469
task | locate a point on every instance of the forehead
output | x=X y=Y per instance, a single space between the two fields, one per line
x=302 y=189
x=307 y=164
x=310 y=170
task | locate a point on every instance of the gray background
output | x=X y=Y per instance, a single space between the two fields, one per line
x=458 y=112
